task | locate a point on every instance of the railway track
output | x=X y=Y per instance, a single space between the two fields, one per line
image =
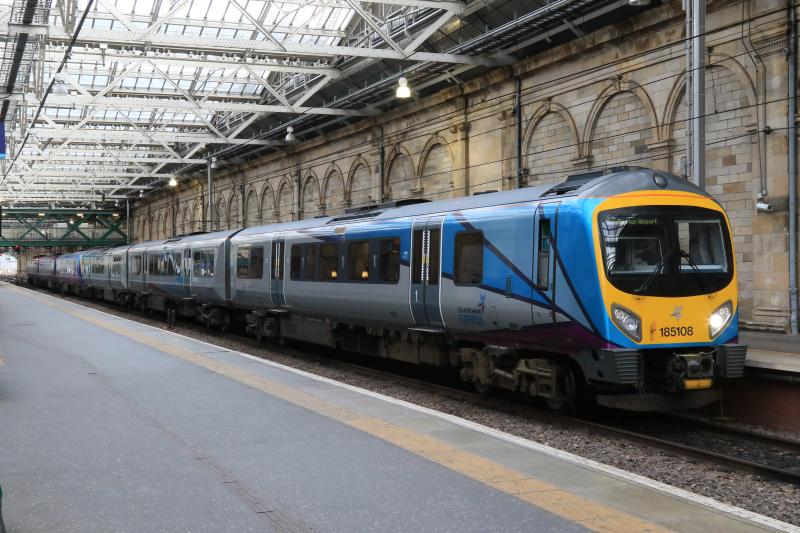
x=744 y=451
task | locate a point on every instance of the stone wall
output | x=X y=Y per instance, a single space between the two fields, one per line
x=612 y=97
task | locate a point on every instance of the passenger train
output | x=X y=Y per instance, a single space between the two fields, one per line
x=620 y=286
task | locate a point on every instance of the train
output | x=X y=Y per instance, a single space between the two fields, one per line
x=619 y=286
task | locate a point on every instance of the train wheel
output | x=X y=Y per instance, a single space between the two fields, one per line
x=226 y=323
x=567 y=403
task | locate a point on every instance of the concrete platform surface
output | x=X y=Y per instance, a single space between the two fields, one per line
x=772 y=351
x=110 y=425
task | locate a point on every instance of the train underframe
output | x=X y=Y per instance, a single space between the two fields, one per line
x=639 y=380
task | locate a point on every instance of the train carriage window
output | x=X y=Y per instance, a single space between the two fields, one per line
x=136 y=266
x=296 y=264
x=175 y=265
x=203 y=264
x=390 y=260
x=310 y=252
x=277 y=260
x=329 y=262
x=416 y=260
x=358 y=261
x=468 y=267
x=543 y=255
x=433 y=261
x=116 y=265
x=250 y=262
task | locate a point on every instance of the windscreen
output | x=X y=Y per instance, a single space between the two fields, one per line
x=666 y=250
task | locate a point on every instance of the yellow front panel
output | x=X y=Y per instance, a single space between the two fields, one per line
x=665 y=320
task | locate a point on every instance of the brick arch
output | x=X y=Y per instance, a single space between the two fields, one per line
x=197 y=217
x=615 y=88
x=678 y=91
x=551 y=141
x=158 y=227
x=185 y=220
x=359 y=194
x=266 y=204
x=333 y=189
x=435 y=171
x=401 y=180
x=219 y=212
x=284 y=200
x=250 y=208
x=232 y=213
x=620 y=127
x=310 y=196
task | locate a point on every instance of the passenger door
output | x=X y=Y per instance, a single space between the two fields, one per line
x=426 y=252
x=544 y=261
x=277 y=273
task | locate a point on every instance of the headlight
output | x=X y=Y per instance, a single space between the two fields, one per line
x=627 y=321
x=719 y=319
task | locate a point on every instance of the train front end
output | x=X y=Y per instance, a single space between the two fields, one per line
x=667 y=274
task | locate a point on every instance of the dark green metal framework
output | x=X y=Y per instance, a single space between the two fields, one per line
x=62 y=227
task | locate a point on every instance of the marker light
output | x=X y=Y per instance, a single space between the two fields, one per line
x=364 y=274
x=627 y=321
x=403 y=90
x=719 y=319
x=334 y=274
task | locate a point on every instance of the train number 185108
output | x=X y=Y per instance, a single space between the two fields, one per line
x=677 y=331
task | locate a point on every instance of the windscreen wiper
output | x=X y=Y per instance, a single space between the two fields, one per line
x=693 y=265
x=656 y=270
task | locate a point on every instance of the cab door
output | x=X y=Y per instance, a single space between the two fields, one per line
x=277 y=273
x=426 y=253
x=544 y=265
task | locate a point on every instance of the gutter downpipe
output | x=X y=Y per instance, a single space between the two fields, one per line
x=698 y=118
x=382 y=165
x=518 y=127
x=207 y=219
x=792 y=130
x=299 y=190
x=128 y=220
x=761 y=106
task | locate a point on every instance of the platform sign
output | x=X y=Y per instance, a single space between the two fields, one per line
x=2 y=140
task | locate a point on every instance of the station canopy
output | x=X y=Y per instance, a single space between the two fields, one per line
x=107 y=100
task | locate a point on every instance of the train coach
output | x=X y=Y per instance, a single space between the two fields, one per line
x=620 y=286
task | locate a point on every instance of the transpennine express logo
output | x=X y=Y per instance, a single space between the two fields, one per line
x=473 y=315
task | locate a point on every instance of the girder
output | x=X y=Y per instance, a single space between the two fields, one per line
x=171 y=83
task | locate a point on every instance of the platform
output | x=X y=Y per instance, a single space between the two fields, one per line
x=772 y=351
x=112 y=425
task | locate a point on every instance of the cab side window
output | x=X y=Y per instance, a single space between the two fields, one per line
x=543 y=255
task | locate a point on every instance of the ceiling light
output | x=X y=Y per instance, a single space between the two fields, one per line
x=41 y=214
x=290 y=138
x=141 y=193
x=639 y=3
x=173 y=182
x=403 y=90
x=80 y=215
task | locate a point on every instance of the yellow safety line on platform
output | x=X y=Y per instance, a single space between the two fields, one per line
x=577 y=509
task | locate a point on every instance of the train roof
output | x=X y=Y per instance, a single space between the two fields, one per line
x=608 y=182
x=602 y=183
x=192 y=237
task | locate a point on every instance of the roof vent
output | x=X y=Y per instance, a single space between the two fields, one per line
x=355 y=216
x=404 y=202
